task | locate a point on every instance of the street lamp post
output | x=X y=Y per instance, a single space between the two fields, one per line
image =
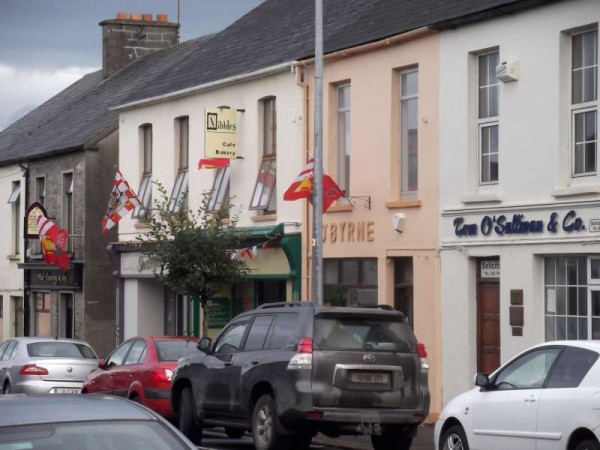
x=317 y=253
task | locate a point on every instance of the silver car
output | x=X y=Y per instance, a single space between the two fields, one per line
x=38 y=365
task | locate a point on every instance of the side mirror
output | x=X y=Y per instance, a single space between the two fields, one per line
x=101 y=362
x=204 y=344
x=482 y=380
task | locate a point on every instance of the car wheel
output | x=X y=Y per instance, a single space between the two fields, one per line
x=136 y=398
x=188 y=423
x=589 y=444
x=234 y=433
x=454 y=438
x=265 y=426
x=6 y=388
x=392 y=440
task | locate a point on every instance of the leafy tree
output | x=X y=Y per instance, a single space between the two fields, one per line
x=192 y=250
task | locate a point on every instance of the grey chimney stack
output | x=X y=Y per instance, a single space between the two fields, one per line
x=131 y=36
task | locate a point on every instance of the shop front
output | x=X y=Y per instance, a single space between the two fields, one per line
x=54 y=300
x=146 y=307
x=513 y=277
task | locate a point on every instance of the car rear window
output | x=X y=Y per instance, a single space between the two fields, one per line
x=364 y=333
x=173 y=350
x=60 y=350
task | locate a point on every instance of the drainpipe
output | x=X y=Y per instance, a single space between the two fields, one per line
x=26 y=305
x=301 y=82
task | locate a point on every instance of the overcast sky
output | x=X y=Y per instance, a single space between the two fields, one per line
x=45 y=45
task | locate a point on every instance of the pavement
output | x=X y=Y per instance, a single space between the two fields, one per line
x=423 y=440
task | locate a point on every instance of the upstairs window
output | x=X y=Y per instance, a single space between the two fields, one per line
x=264 y=196
x=145 y=191
x=14 y=200
x=343 y=137
x=584 y=102
x=219 y=196
x=409 y=129
x=67 y=207
x=488 y=118
x=40 y=190
x=180 y=188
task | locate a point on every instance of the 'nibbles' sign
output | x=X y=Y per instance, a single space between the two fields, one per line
x=220 y=133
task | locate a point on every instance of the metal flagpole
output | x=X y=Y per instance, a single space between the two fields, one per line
x=317 y=253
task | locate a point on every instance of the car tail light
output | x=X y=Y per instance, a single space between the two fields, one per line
x=422 y=352
x=315 y=415
x=161 y=376
x=32 y=369
x=303 y=358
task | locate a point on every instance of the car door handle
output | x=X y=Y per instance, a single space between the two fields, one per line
x=228 y=364
x=530 y=400
x=254 y=363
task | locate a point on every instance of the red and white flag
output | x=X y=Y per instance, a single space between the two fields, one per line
x=53 y=240
x=122 y=200
x=213 y=163
x=303 y=185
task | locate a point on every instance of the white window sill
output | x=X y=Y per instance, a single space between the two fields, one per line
x=481 y=198
x=574 y=191
x=14 y=257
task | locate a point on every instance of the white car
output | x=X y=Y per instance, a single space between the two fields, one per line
x=546 y=398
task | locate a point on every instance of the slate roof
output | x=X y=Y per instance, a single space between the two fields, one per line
x=275 y=32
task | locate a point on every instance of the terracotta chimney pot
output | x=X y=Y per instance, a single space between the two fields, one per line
x=135 y=16
x=162 y=18
x=147 y=17
x=122 y=15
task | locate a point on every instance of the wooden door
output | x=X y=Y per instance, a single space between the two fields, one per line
x=488 y=327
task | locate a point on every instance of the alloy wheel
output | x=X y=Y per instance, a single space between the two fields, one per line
x=453 y=442
x=264 y=426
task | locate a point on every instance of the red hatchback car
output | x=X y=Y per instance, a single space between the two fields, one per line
x=140 y=369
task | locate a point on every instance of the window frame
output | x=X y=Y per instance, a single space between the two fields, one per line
x=405 y=168
x=179 y=192
x=68 y=210
x=219 y=194
x=584 y=106
x=487 y=120
x=528 y=358
x=264 y=197
x=14 y=199
x=145 y=191
x=343 y=150
x=361 y=279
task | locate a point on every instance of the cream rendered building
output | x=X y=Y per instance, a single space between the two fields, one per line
x=12 y=185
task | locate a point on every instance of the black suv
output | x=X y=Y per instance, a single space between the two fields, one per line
x=287 y=371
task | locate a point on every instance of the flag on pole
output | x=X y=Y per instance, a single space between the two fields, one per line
x=302 y=187
x=53 y=240
x=213 y=163
x=246 y=252
x=122 y=200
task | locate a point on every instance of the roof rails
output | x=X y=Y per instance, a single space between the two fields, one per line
x=282 y=304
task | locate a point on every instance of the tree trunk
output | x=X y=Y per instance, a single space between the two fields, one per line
x=205 y=314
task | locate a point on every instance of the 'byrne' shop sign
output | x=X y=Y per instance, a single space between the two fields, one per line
x=220 y=133
x=349 y=232
x=519 y=224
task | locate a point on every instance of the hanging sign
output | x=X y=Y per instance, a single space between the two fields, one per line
x=31 y=229
x=220 y=133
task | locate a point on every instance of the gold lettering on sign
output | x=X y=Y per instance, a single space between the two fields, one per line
x=370 y=230
x=342 y=229
x=360 y=231
x=349 y=232
x=52 y=278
